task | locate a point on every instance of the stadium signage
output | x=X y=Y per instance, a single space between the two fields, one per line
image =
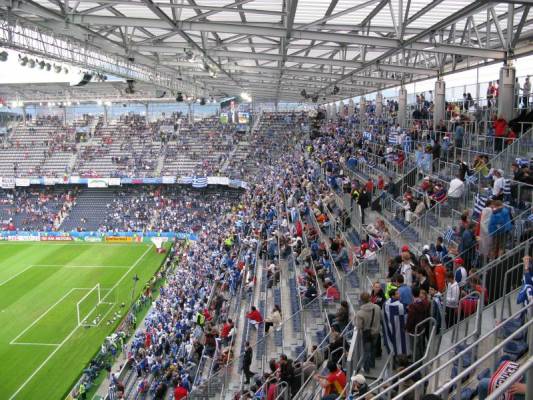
x=194 y=181
x=56 y=238
x=118 y=239
x=97 y=182
x=24 y=238
x=7 y=183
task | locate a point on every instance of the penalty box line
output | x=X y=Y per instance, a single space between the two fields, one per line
x=62 y=266
x=57 y=348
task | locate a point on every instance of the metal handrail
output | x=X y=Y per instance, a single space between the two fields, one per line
x=395 y=380
x=459 y=355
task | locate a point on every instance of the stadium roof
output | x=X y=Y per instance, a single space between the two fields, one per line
x=272 y=49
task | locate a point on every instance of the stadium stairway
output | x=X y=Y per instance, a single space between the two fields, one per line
x=91 y=206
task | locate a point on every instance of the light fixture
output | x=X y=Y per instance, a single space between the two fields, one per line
x=3 y=56
x=23 y=60
x=68 y=103
x=198 y=100
x=108 y=103
x=31 y=63
x=57 y=68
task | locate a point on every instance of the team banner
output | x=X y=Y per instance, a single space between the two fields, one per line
x=168 y=180
x=218 y=180
x=22 y=182
x=97 y=182
x=49 y=181
x=113 y=181
x=7 y=183
x=504 y=372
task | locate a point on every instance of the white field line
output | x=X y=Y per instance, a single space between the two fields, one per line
x=33 y=344
x=81 y=266
x=14 y=276
x=42 y=315
x=70 y=243
x=62 y=266
x=74 y=330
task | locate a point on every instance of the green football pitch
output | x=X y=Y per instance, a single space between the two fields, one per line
x=43 y=287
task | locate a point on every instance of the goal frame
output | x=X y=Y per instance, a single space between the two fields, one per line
x=81 y=321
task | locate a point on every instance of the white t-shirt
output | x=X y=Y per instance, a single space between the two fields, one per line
x=456 y=189
x=407 y=272
x=497 y=188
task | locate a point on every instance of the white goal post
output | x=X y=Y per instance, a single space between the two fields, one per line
x=82 y=318
x=91 y=302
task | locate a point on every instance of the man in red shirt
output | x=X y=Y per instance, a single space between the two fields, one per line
x=333 y=383
x=254 y=316
x=500 y=131
x=225 y=331
x=180 y=392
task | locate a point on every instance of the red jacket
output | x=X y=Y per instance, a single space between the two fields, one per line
x=224 y=332
x=500 y=126
x=255 y=316
x=180 y=393
x=333 y=293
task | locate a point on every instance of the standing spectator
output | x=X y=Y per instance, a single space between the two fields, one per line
x=406 y=266
x=498 y=185
x=417 y=312
x=459 y=135
x=526 y=90
x=485 y=240
x=452 y=299
x=459 y=271
x=394 y=320
x=499 y=227
x=500 y=132
x=364 y=202
x=467 y=247
x=455 y=192
x=274 y=319
x=367 y=321
x=404 y=292
x=247 y=363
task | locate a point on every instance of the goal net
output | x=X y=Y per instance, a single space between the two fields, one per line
x=158 y=242
x=95 y=305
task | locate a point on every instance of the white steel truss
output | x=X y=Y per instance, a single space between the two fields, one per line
x=271 y=48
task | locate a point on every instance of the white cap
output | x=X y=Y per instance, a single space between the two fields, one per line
x=360 y=379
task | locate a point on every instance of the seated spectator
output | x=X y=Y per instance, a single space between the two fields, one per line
x=254 y=317
x=274 y=319
x=332 y=293
x=333 y=383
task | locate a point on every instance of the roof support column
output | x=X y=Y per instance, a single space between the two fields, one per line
x=351 y=107
x=362 y=110
x=379 y=105
x=506 y=98
x=439 y=102
x=402 y=107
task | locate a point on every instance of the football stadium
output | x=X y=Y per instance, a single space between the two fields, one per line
x=266 y=200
